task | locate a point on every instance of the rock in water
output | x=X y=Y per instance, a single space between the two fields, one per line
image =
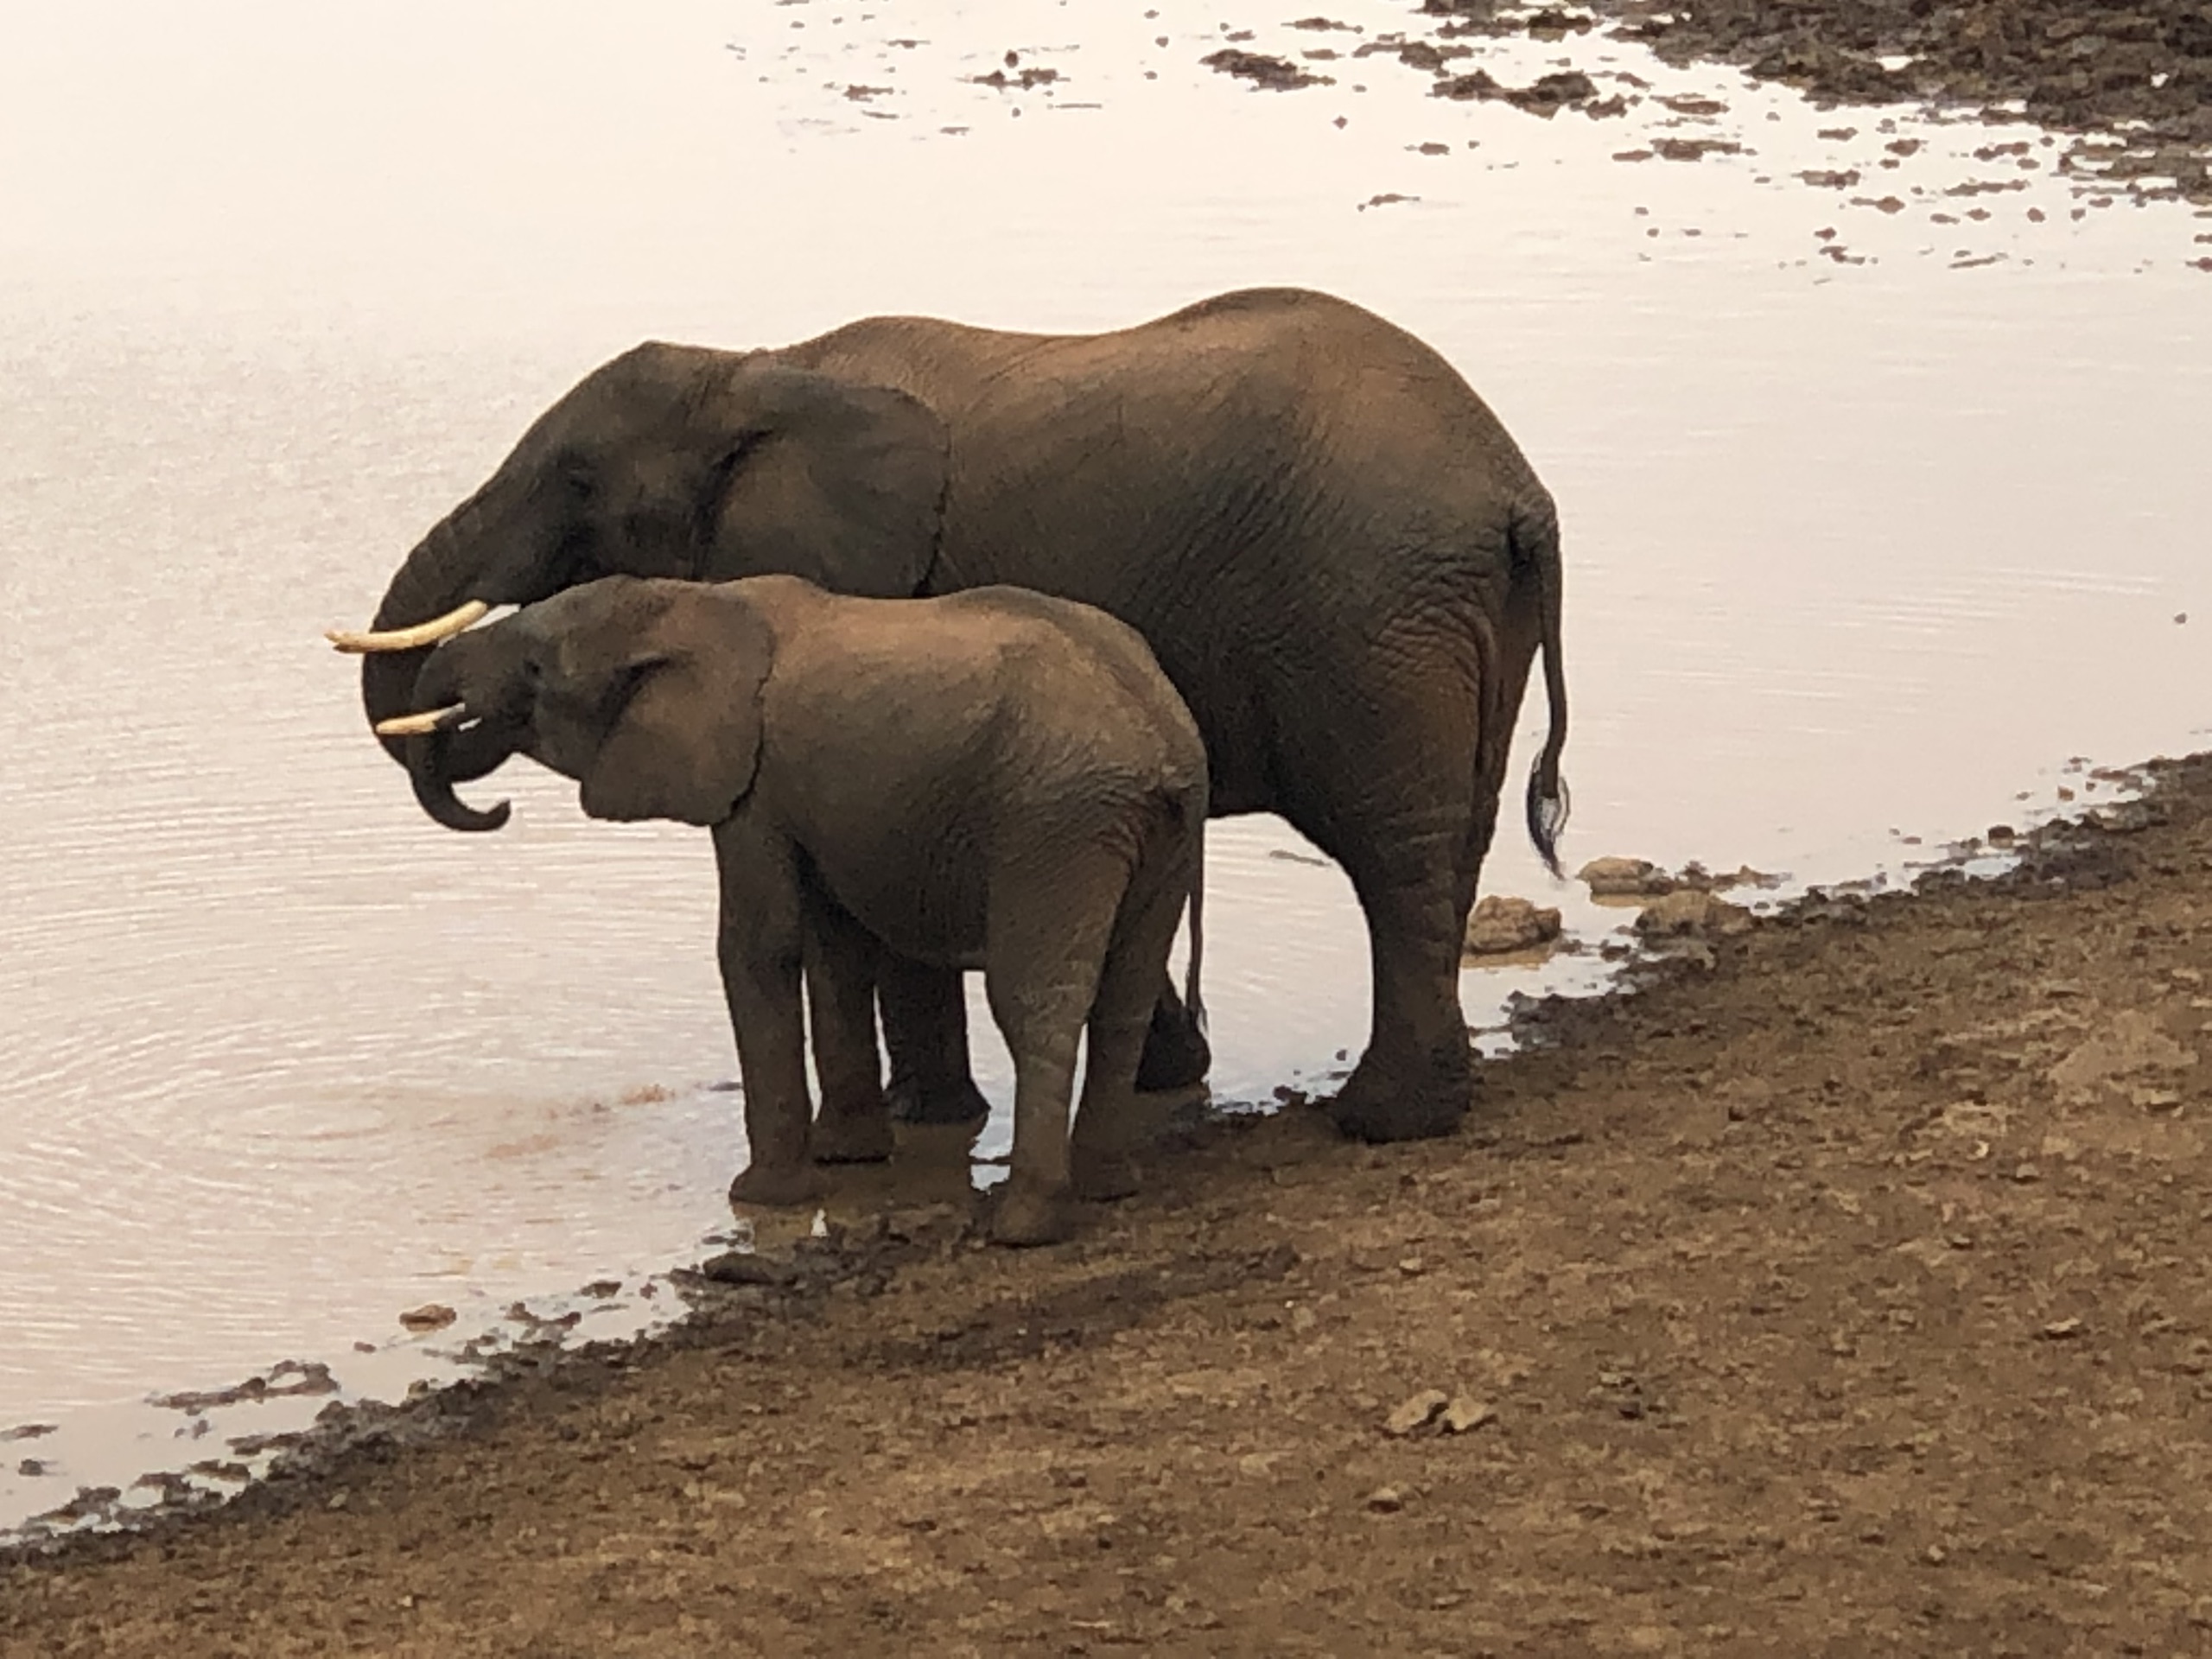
x=1499 y=925
x=1623 y=878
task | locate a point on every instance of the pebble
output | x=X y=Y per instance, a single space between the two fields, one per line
x=1691 y=912
x=1385 y=1500
x=431 y=1316
x=1466 y=1414
x=1416 y=1413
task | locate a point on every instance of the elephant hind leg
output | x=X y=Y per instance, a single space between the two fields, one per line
x=1398 y=801
x=925 y=1028
x=1176 y=1053
x=1050 y=932
x=854 y=1126
x=1125 y=1011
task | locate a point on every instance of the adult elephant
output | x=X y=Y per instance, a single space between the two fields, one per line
x=1340 y=556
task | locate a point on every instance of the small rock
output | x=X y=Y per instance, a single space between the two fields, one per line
x=1500 y=924
x=1937 y=1555
x=745 y=1267
x=31 y=1468
x=1412 y=1265
x=1466 y=1414
x=1417 y=1413
x=431 y=1316
x=2062 y=1330
x=1385 y=1500
x=1623 y=878
x=1683 y=914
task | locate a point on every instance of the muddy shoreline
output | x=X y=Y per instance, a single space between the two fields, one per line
x=1845 y=1282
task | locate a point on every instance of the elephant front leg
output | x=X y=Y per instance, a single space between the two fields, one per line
x=760 y=950
x=855 y=1127
x=925 y=1028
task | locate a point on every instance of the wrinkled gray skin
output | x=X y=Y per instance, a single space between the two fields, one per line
x=1340 y=558
x=998 y=780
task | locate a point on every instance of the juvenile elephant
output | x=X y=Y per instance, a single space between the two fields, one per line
x=1340 y=558
x=998 y=779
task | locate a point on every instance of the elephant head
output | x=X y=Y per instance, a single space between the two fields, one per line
x=647 y=692
x=671 y=461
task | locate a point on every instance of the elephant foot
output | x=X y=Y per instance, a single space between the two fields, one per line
x=852 y=1137
x=1023 y=1216
x=777 y=1187
x=1102 y=1177
x=1176 y=1053
x=912 y=1101
x=1407 y=1102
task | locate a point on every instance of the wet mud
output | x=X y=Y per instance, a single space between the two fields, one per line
x=1840 y=1289
x=2143 y=66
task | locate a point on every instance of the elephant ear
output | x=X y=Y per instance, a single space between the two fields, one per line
x=839 y=481
x=683 y=740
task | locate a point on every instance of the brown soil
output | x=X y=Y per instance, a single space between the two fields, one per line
x=1845 y=1295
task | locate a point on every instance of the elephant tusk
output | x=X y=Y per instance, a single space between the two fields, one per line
x=436 y=720
x=423 y=633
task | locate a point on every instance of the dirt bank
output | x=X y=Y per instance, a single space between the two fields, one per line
x=1847 y=1295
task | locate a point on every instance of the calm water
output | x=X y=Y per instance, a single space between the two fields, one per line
x=1856 y=551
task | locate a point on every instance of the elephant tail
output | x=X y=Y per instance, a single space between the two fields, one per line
x=1193 y=998
x=1535 y=530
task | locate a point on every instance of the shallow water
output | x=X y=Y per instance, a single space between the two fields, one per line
x=1856 y=551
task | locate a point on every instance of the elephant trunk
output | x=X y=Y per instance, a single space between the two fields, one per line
x=430 y=743
x=448 y=567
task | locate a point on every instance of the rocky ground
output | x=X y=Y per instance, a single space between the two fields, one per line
x=1844 y=1291
x=2141 y=66
x=2131 y=81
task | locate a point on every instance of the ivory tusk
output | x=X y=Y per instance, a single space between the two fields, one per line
x=423 y=633
x=436 y=720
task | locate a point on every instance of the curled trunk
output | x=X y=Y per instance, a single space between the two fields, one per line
x=446 y=567
x=431 y=759
x=429 y=766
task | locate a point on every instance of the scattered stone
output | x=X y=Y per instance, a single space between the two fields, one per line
x=31 y=1468
x=27 y=1431
x=1418 y=1412
x=1500 y=926
x=1689 y=914
x=1623 y=878
x=748 y=1268
x=1271 y=74
x=431 y=1316
x=1385 y=1500
x=998 y=78
x=2062 y=1330
x=1466 y=1414
x=1693 y=150
x=292 y=1377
